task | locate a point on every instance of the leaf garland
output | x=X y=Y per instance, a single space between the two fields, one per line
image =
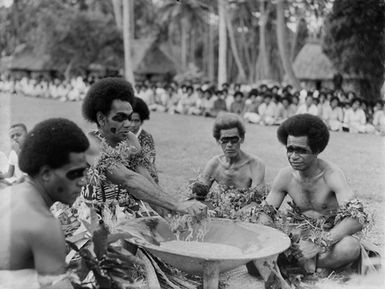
x=228 y=202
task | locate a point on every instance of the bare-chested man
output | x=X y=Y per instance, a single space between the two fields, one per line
x=31 y=240
x=319 y=189
x=234 y=168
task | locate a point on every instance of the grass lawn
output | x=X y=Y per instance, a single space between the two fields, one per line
x=184 y=144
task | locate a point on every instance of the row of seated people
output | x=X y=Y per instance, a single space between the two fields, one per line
x=269 y=106
x=74 y=89
x=265 y=105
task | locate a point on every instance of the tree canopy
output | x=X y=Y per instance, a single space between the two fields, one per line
x=355 y=42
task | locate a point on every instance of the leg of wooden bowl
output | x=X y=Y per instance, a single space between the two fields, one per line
x=210 y=275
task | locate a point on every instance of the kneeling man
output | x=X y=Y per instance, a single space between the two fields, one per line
x=319 y=192
x=234 y=168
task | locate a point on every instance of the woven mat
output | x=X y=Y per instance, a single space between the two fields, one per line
x=240 y=278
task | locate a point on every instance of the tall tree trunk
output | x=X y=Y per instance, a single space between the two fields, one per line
x=211 y=54
x=132 y=18
x=184 y=39
x=128 y=73
x=300 y=38
x=222 y=72
x=117 y=5
x=244 y=48
x=283 y=45
x=263 y=67
x=241 y=72
x=16 y=21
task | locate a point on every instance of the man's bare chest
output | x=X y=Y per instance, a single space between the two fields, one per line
x=233 y=176
x=313 y=196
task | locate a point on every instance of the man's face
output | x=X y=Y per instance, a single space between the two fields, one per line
x=67 y=181
x=309 y=101
x=334 y=103
x=299 y=153
x=135 y=123
x=230 y=142
x=356 y=105
x=115 y=125
x=17 y=135
x=285 y=103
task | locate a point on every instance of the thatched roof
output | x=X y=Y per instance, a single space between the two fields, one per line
x=25 y=58
x=139 y=48
x=312 y=64
x=155 y=62
x=147 y=57
x=5 y=63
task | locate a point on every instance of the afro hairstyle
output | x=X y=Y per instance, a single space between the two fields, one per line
x=141 y=108
x=227 y=120
x=307 y=125
x=101 y=95
x=49 y=143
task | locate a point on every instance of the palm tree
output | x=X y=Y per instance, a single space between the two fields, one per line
x=283 y=44
x=222 y=59
x=129 y=75
x=241 y=72
x=185 y=17
x=263 y=68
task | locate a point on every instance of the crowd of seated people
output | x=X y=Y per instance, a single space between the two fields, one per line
x=74 y=89
x=267 y=105
x=264 y=105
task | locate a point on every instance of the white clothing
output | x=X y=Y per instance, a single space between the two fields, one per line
x=13 y=160
x=303 y=108
x=19 y=279
x=4 y=163
x=355 y=120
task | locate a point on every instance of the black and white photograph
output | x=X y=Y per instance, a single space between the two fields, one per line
x=192 y=144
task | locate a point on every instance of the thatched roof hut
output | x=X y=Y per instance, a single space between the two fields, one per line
x=25 y=59
x=149 y=59
x=312 y=64
x=315 y=70
x=152 y=60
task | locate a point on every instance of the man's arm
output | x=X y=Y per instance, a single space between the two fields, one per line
x=207 y=174
x=348 y=226
x=46 y=240
x=150 y=192
x=9 y=173
x=275 y=198
x=257 y=173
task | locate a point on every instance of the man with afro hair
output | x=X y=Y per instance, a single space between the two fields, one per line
x=31 y=241
x=319 y=191
x=108 y=104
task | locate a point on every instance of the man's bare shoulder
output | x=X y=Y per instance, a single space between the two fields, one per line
x=254 y=160
x=214 y=161
x=285 y=174
x=330 y=169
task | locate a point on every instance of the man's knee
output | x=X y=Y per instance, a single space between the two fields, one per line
x=349 y=247
x=344 y=252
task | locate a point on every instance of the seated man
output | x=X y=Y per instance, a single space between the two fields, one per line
x=17 y=134
x=234 y=169
x=115 y=153
x=32 y=242
x=319 y=192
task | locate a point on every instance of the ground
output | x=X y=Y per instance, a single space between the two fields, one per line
x=185 y=143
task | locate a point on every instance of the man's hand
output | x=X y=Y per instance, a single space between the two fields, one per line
x=200 y=191
x=306 y=250
x=192 y=207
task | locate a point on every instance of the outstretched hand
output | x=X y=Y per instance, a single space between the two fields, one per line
x=192 y=207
